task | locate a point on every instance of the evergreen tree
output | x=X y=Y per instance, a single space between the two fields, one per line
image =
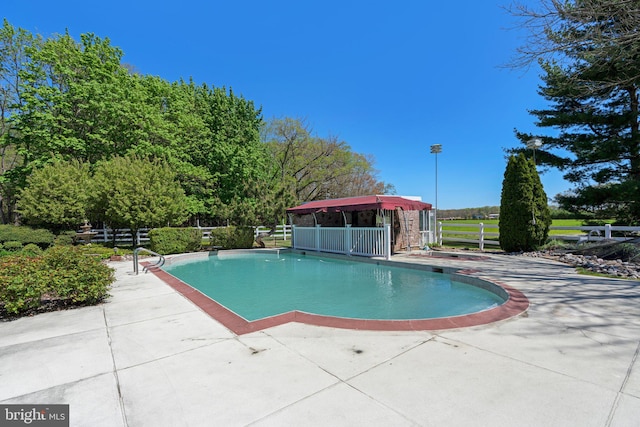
x=56 y=195
x=591 y=79
x=524 y=215
x=541 y=211
x=133 y=192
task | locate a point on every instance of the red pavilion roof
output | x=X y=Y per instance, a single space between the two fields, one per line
x=361 y=203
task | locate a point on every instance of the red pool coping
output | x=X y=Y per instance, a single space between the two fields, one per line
x=517 y=303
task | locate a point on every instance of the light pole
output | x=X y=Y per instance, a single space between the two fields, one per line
x=533 y=144
x=435 y=149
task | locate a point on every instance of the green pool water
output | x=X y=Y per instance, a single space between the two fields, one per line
x=260 y=285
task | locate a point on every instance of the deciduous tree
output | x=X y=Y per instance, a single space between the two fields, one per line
x=77 y=102
x=14 y=43
x=74 y=100
x=315 y=168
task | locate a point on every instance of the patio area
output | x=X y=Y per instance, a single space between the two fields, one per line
x=149 y=357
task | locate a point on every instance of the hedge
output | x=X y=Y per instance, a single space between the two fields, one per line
x=13 y=246
x=169 y=240
x=25 y=235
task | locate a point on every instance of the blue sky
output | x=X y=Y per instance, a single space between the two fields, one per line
x=388 y=78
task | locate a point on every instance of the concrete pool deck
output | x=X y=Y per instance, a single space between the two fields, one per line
x=148 y=356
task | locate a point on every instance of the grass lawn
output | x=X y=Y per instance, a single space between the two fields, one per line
x=555 y=223
x=566 y=223
x=469 y=221
x=473 y=231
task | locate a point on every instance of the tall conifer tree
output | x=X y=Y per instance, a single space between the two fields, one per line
x=524 y=213
x=591 y=80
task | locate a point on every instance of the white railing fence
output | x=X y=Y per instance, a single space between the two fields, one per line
x=373 y=242
x=121 y=236
x=282 y=231
x=103 y=235
x=362 y=241
x=482 y=237
x=597 y=232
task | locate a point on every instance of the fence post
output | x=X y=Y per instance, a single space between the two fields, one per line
x=138 y=237
x=293 y=236
x=317 y=238
x=481 y=240
x=347 y=239
x=387 y=241
x=439 y=233
x=104 y=233
x=607 y=231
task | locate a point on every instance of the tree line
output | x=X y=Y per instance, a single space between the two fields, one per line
x=69 y=107
x=468 y=213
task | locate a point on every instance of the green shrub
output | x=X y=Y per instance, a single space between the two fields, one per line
x=25 y=235
x=12 y=246
x=169 y=240
x=23 y=280
x=61 y=272
x=597 y=222
x=77 y=277
x=555 y=244
x=65 y=238
x=626 y=252
x=232 y=237
x=97 y=250
x=32 y=250
x=557 y=213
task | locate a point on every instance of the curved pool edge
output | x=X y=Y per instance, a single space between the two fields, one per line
x=516 y=303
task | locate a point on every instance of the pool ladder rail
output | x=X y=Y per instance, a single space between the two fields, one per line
x=158 y=264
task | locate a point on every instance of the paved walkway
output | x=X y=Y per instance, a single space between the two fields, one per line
x=149 y=357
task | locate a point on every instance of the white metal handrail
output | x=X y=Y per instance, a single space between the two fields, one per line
x=158 y=264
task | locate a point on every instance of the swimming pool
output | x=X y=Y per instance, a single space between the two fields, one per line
x=258 y=285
